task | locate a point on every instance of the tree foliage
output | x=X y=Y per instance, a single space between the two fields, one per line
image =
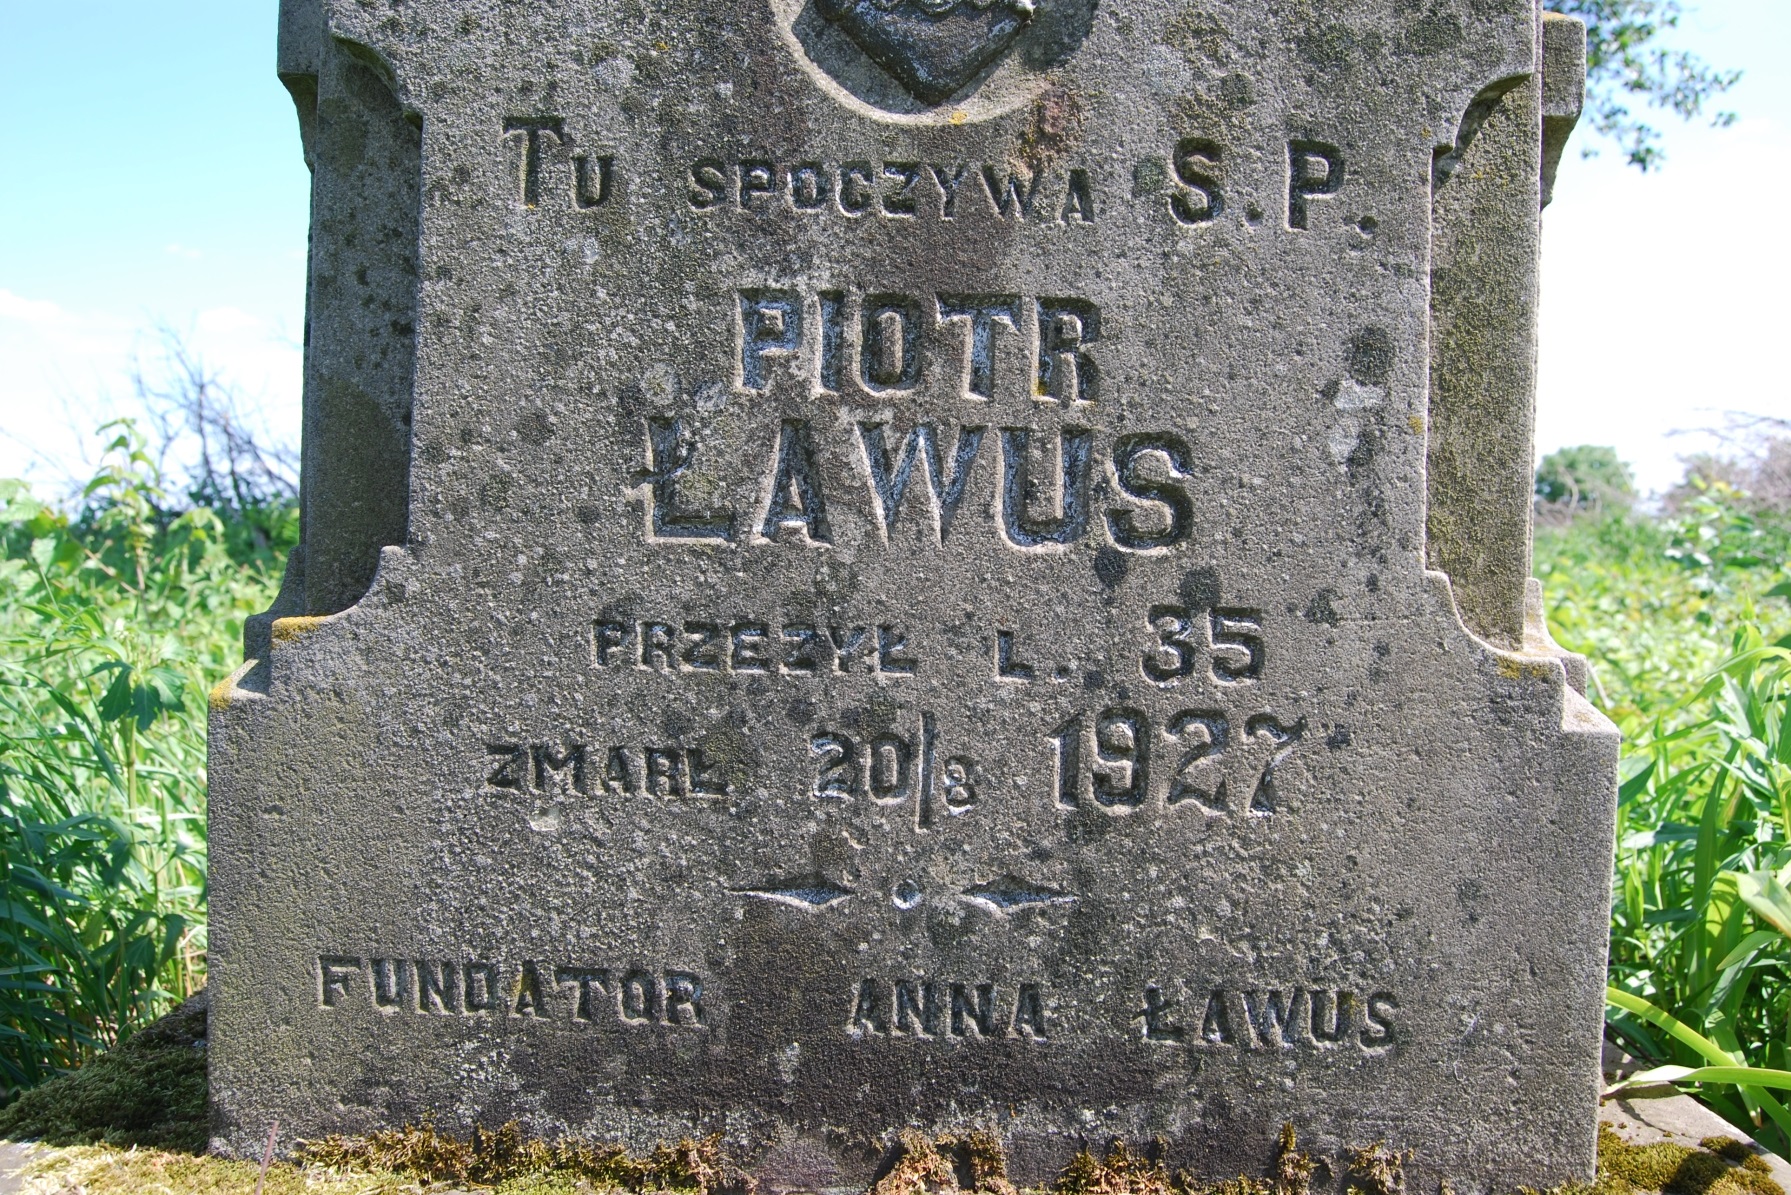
x=1627 y=64
x=1584 y=477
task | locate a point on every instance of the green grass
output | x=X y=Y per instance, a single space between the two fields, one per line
x=113 y=624
x=1688 y=625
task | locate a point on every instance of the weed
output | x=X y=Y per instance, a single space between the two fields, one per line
x=113 y=622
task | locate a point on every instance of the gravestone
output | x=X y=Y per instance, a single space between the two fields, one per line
x=940 y=563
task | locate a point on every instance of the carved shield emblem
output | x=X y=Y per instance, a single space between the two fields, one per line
x=932 y=47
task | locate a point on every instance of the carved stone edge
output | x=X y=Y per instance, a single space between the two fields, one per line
x=1563 y=90
x=1578 y=714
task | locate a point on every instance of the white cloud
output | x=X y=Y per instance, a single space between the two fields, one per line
x=225 y=321
x=30 y=311
x=1663 y=303
x=64 y=373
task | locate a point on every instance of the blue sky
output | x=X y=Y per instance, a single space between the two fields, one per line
x=154 y=178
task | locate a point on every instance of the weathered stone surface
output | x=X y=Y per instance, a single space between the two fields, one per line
x=828 y=605
x=1486 y=229
x=1563 y=90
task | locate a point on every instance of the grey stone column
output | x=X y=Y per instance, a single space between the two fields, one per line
x=364 y=152
x=1486 y=239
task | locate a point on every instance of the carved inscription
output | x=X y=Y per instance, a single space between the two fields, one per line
x=1213 y=756
x=1196 y=199
x=878 y=343
x=1314 y=170
x=1119 y=758
x=1006 y=193
x=893 y=190
x=921 y=1009
x=1290 y=1018
x=1044 y=485
x=543 y=147
x=570 y=767
x=898 y=765
x=548 y=166
x=874 y=344
x=577 y=994
x=745 y=645
x=1225 y=644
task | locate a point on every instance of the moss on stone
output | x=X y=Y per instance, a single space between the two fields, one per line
x=105 y=1170
x=1738 y=1152
x=968 y=1162
x=1377 y=1170
x=921 y=1166
x=134 y=1120
x=149 y=1091
x=1120 y=1172
x=509 y=1155
x=1124 y=1172
x=1719 y=1166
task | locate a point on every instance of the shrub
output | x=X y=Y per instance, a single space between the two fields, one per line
x=113 y=623
x=1585 y=477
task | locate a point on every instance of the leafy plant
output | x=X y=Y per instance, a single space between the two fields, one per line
x=1626 y=63
x=1701 y=923
x=112 y=624
x=1686 y=622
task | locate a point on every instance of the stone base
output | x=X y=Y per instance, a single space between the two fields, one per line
x=1647 y=1115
